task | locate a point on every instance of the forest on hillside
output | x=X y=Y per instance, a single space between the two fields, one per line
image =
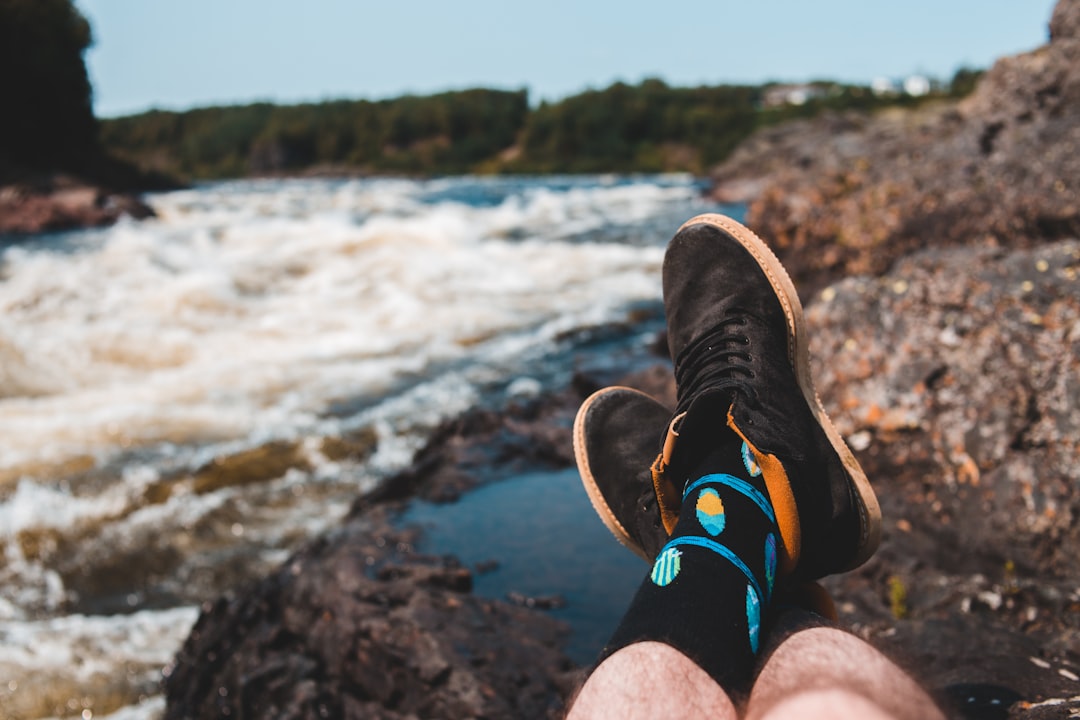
x=648 y=127
x=47 y=120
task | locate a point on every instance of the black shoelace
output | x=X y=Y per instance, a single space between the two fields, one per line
x=718 y=360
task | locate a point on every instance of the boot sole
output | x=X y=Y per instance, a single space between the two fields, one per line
x=799 y=356
x=588 y=479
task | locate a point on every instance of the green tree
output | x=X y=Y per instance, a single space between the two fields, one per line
x=964 y=81
x=46 y=120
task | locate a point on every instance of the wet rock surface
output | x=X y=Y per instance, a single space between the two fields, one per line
x=358 y=624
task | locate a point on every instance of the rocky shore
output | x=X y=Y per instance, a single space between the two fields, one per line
x=954 y=376
x=63 y=202
x=939 y=255
x=358 y=624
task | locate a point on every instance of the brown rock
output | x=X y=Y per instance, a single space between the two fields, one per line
x=1065 y=22
x=63 y=203
x=407 y=642
x=849 y=194
x=982 y=523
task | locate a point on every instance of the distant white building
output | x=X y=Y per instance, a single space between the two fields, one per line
x=913 y=85
x=883 y=86
x=916 y=85
x=793 y=94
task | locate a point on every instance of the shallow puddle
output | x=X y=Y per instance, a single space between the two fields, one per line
x=547 y=540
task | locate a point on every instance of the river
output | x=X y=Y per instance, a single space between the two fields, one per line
x=184 y=400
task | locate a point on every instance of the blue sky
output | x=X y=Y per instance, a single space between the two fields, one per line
x=177 y=55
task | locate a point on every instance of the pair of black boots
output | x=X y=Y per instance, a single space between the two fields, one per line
x=738 y=342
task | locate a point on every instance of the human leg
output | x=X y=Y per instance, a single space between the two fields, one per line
x=820 y=671
x=648 y=680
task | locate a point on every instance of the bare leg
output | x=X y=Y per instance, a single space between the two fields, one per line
x=828 y=673
x=648 y=680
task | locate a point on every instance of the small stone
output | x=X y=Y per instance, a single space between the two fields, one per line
x=859 y=441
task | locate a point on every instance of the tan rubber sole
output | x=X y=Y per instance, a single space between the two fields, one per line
x=581 y=456
x=799 y=356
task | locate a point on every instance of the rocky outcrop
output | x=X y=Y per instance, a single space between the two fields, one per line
x=358 y=625
x=64 y=203
x=846 y=195
x=955 y=378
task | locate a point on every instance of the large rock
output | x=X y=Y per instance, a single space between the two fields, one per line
x=1065 y=22
x=845 y=195
x=64 y=203
x=956 y=378
x=357 y=625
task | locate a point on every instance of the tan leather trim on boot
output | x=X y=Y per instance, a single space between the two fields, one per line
x=668 y=497
x=783 y=502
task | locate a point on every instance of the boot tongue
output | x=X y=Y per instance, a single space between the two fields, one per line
x=700 y=430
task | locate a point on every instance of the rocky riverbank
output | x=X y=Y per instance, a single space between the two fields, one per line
x=63 y=202
x=954 y=376
x=358 y=624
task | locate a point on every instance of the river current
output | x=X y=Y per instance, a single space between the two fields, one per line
x=172 y=391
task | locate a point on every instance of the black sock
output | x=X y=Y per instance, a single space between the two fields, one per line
x=711 y=584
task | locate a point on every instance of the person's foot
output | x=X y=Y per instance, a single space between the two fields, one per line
x=735 y=330
x=615 y=443
x=615 y=435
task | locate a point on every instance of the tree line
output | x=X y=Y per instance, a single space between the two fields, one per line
x=48 y=125
x=46 y=119
x=648 y=127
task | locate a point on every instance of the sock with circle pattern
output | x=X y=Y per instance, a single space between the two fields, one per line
x=711 y=584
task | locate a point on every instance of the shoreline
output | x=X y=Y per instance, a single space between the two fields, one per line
x=64 y=202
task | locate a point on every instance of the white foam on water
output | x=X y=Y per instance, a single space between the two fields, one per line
x=69 y=659
x=81 y=646
x=245 y=310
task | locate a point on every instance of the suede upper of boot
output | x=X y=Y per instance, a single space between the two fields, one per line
x=620 y=425
x=730 y=338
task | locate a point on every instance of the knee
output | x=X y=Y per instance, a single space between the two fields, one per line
x=831 y=704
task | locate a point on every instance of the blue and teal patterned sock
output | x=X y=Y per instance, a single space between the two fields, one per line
x=711 y=584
